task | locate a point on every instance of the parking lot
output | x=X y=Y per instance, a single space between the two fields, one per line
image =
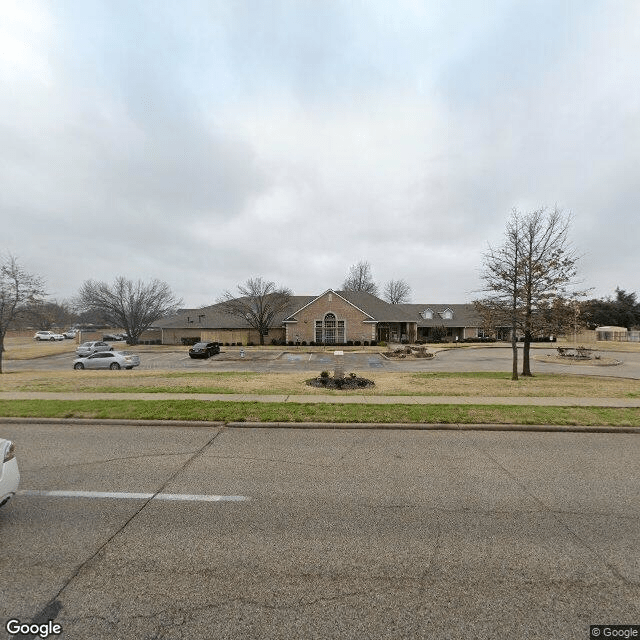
x=211 y=532
x=496 y=358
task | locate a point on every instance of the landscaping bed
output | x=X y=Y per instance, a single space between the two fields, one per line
x=343 y=384
x=409 y=352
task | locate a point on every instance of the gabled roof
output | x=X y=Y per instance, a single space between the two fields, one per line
x=464 y=315
x=214 y=317
x=378 y=310
x=291 y=317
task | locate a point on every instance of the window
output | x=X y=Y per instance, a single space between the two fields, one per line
x=427 y=314
x=330 y=330
x=447 y=314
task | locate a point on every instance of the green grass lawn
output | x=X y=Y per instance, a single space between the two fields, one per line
x=307 y=412
x=469 y=385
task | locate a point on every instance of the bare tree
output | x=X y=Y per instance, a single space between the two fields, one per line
x=132 y=306
x=397 y=292
x=17 y=290
x=501 y=274
x=562 y=316
x=48 y=314
x=527 y=278
x=259 y=304
x=360 y=279
x=549 y=266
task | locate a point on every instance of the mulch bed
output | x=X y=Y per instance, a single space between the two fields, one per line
x=593 y=362
x=344 y=383
x=405 y=354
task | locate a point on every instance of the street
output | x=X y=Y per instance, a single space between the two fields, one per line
x=212 y=532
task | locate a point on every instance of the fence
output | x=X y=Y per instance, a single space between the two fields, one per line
x=618 y=336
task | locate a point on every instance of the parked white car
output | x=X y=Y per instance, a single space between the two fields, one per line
x=9 y=473
x=87 y=348
x=108 y=360
x=48 y=335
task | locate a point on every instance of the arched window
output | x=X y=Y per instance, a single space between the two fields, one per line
x=330 y=330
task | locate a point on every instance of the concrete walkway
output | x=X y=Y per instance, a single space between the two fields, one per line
x=331 y=399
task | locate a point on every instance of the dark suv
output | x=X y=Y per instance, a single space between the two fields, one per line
x=204 y=349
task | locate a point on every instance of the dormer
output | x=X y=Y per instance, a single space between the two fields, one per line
x=427 y=314
x=447 y=314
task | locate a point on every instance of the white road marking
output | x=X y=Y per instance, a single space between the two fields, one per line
x=132 y=496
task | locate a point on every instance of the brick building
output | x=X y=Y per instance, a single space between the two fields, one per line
x=334 y=317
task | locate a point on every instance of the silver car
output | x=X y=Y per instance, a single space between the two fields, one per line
x=107 y=360
x=9 y=474
x=87 y=348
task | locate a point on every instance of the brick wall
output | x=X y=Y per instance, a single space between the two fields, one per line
x=355 y=327
x=174 y=336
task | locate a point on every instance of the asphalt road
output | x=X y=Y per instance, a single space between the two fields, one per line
x=321 y=534
x=448 y=360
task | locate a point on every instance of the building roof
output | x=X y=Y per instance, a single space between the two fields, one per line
x=378 y=310
x=462 y=315
x=214 y=317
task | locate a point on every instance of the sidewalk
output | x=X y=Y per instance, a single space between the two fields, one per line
x=331 y=399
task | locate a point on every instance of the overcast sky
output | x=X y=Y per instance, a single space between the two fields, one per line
x=205 y=142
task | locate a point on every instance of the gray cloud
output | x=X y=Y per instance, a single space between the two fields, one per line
x=204 y=143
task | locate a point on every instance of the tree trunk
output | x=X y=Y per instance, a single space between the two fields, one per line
x=514 y=350
x=1 y=351
x=261 y=338
x=526 y=348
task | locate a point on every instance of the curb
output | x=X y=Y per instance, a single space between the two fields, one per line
x=397 y=426
x=419 y=426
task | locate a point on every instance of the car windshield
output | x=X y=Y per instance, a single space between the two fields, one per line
x=199 y=345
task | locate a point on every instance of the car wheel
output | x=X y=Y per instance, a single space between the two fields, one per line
x=78 y=365
x=51 y=339
x=114 y=365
